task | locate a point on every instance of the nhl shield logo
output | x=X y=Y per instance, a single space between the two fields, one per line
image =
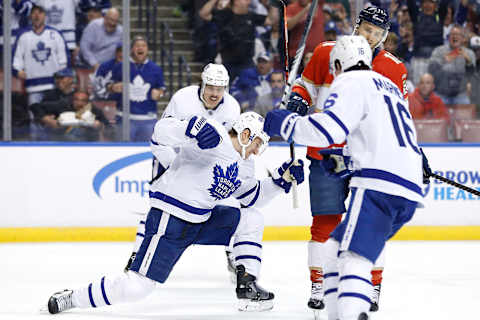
x=224 y=183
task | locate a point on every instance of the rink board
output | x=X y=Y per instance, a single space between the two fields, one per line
x=94 y=192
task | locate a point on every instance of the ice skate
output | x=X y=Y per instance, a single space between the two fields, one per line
x=251 y=296
x=316 y=300
x=231 y=266
x=375 y=298
x=60 y=301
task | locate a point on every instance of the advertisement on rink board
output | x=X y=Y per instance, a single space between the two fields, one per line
x=67 y=185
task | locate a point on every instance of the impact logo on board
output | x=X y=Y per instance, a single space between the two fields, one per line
x=123 y=177
x=440 y=191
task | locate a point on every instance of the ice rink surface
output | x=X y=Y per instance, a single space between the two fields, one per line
x=422 y=280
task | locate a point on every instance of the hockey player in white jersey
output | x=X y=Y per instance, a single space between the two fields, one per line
x=368 y=111
x=210 y=166
x=39 y=52
x=211 y=100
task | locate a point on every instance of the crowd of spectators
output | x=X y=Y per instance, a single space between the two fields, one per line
x=438 y=41
x=67 y=62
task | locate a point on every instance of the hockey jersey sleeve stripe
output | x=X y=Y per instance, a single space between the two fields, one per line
x=390 y=177
x=338 y=121
x=39 y=81
x=322 y=130
x=248 y=192
x=247 y=243
x=255 y=198
x=177 y=203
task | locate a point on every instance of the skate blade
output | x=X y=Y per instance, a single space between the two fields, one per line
x=246 y=305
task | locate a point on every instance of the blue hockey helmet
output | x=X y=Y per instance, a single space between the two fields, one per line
x=376 y=16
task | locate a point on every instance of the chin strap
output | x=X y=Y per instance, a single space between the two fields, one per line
x=244 y=146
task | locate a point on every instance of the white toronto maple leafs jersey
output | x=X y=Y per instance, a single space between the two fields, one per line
x=61 y=15
x=198 y=179
x=186 y=103
x=368 y=111
x=40 y=56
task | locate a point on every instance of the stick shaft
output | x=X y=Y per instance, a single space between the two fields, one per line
x=455 y=184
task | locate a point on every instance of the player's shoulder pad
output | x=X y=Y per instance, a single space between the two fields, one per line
x=388 y=58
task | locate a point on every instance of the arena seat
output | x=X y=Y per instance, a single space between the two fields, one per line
x=431 y=130
x=83 y=79
x=462 y=111
x=468 y=130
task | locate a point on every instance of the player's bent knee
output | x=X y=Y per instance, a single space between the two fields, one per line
x=323 y=225
x=251 y=221
x=137 y=287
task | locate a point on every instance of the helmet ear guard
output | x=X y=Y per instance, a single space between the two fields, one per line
x=254 y=123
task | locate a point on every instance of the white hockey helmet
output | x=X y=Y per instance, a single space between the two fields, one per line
x=214 y=75
x=254 y=122
x=349 y=51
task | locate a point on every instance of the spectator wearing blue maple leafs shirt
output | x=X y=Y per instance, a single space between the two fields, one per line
x=146 y=88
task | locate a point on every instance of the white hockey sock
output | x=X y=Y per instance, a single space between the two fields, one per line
x=330 y=281
x=247 y=244
x=127 y=287
x=354 y=289
x=380 y=262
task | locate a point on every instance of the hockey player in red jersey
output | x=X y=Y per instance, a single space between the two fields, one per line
x=328 y=192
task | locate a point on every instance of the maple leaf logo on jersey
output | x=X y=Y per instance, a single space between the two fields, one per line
x=224 y=184
x=54 y=15
x=139 y=89
x=42 y=53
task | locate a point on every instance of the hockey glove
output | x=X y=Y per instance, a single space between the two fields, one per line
x=427 y=172
x=204 y=132
x=297 y=104
x=287 y=173
x=335 y=163
x=280 y=122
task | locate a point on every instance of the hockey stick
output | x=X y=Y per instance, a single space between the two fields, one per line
x=455 y=184
x=292 y=75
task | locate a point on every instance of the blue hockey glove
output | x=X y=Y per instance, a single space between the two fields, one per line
x=280 y=122
x=427 y=172
x=335 y=163
x=204 y=132
x=287 y=173
x=297 y=104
